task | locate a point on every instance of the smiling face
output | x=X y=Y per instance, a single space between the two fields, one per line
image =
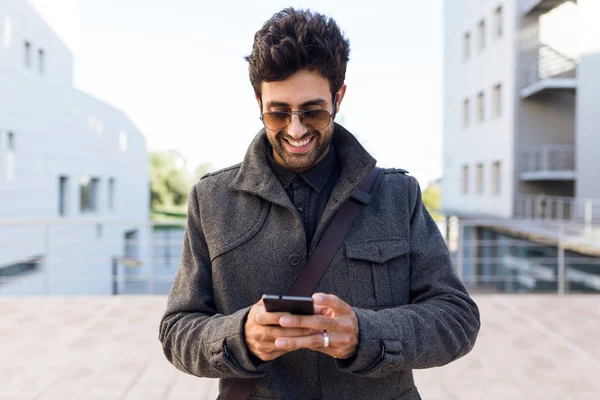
x=298 y=147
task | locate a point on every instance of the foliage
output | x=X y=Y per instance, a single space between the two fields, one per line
x=170 y=182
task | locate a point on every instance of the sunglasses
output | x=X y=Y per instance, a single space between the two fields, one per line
x=316 y=119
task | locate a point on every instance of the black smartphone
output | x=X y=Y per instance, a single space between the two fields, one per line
x=291 y=304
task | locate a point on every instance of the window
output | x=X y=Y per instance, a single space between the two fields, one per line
x=497 y=101
x=496 y=177
x=10 y=156
x=88 y=194
x=111 y=193
x=498 y=27
x=467 y=45
x=27 y=54
x=481 y=107
x=7 y=36
x=481 y=35
x=466 y=113
x=63 y=195
x=479 y=179
x=41 y=60
x=123 y=141
x=465 y=179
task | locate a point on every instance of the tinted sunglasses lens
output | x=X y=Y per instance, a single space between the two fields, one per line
x=316 y=119
x=276 y=120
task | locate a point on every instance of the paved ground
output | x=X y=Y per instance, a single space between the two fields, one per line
x=530 y=347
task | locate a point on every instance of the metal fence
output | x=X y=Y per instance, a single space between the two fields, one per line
x=549 y=158
x=585 y=211
x=133 y=258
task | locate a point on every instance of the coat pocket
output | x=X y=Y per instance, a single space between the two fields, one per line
x=379 y=272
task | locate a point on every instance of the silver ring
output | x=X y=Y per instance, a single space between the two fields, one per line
x=325 y=338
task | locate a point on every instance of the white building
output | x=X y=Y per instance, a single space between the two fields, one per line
x=522 y=108
x=65 y=157
x=521 y=141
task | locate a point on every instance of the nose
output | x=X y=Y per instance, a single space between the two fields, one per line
x=296 y=129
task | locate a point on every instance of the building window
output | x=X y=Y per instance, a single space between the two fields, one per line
x=465 y=179
x=467 y=45
x=27 y=54
x=497 y=101
x=481 y=107
x=466 y=113
x=479 y=179
x=7 y=37
x=496 y=177
x=10 y=156
x=111 y=194
x=88 y=194
x=63 y=195
x=481 y=35
x=498 y=23
x=42 y=61
x=123 y=141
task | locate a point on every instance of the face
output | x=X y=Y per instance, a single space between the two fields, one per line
x=298 y=147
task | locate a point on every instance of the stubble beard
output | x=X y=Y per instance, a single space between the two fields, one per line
x=302 y=162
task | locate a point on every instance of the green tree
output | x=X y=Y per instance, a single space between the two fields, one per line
x=169 y=182
x=431 y=198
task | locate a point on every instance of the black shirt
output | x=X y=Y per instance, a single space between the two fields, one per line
x=309 y=190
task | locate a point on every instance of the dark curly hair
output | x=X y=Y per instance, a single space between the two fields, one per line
x=293 y=40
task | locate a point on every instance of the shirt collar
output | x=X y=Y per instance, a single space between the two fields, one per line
x=316 y=176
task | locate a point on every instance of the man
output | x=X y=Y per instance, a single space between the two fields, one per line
x=390 y=300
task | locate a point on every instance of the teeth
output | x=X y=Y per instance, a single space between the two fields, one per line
x=299 y=144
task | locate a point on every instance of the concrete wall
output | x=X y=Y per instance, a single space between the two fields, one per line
x=588 y=103
x=491 y=140
x=60 y=131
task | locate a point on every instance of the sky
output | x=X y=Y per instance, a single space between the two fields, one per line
x=177 y=69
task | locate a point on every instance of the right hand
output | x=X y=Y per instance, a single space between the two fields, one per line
x=262 y=329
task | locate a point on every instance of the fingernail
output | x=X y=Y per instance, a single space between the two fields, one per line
x=285 y=320
x=318 y=298
x=281 y=343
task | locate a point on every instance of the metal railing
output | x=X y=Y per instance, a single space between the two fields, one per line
x=528 y=256
x=550 y=157
x=550 y=63
x=585 y=211
x=142 y=257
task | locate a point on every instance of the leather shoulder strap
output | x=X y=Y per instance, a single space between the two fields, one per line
x=316 y=266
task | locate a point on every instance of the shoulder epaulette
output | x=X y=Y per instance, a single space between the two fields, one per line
x=221 y=171
x=396 y=171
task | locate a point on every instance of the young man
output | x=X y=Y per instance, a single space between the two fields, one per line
x=390 y=300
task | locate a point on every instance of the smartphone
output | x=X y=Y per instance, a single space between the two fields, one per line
x=291 y=304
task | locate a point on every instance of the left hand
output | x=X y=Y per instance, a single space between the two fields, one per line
x=332 y=314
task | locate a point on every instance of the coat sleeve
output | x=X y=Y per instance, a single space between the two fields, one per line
x=439 y=325
x=195 y=338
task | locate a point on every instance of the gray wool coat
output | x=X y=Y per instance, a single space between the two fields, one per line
x=244 y=238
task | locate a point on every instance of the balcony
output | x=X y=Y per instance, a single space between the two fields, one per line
x=548 y=163
x=558 y=208
x=553 y=71
x=540 y=6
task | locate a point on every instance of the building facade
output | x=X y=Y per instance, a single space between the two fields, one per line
x=70 y=166
x=521 y=108
x=521 y=132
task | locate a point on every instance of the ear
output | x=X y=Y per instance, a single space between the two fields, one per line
x=339 y=97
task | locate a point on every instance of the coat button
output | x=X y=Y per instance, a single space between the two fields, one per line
x=389 y=367
x=294 y=259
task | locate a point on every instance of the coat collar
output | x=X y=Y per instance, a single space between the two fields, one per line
x=256 y=176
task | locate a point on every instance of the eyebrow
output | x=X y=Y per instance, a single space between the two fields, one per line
x=314 y=102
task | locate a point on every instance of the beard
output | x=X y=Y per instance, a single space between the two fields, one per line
x=301 y=162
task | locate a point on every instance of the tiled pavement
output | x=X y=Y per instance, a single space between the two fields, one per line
x=530 y=347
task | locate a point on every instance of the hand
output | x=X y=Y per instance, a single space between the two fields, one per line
x=333 y=314
x=262 y=330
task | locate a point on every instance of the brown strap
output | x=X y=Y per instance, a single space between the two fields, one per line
x=319 y=261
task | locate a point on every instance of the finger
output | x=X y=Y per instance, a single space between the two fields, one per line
x=263 y=317
x=314 y=342
x=331 y=301
x=277 y=332
x=318 y=322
